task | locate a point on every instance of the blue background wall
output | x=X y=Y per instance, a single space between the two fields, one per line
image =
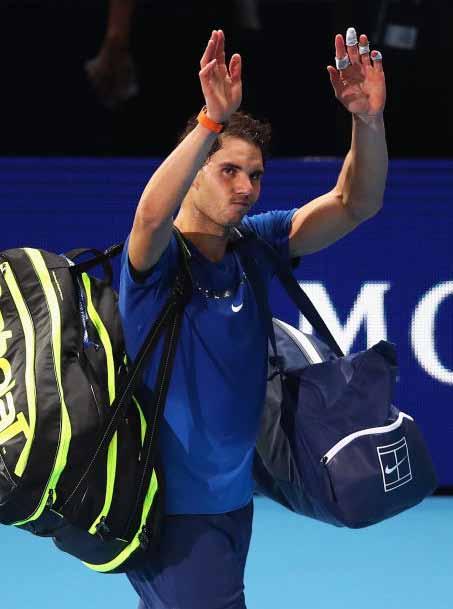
x=58 y=204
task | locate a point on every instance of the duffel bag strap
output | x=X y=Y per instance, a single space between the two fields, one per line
x=288 y=281
x=261 y=297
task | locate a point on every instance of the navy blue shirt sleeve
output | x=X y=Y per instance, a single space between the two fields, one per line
x=160 y=272
x=274 y=227
x=140 y=300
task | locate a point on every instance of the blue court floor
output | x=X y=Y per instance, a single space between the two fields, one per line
x=294 y=563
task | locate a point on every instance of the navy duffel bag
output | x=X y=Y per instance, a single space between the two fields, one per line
x=332 y=445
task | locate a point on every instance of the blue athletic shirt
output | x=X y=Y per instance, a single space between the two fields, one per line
x=214 y=403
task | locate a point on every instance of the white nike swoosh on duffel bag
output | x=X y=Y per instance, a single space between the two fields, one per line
x=389 y=470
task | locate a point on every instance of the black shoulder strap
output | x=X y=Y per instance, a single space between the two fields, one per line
x=243 y=240
x=170 y=320
x=259 y=290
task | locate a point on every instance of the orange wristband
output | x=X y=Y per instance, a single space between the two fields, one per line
x=204 y=120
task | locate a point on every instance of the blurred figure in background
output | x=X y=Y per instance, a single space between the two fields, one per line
x=113 y=72
x=248 y=14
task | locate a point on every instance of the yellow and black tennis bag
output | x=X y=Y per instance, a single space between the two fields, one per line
x=77 y=451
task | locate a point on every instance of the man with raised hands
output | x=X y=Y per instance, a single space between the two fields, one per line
x=204 y=188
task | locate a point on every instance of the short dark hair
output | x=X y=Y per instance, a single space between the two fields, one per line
x=240 y=125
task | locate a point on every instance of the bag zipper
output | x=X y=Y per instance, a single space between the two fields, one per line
x=330 y=454
x=89 y=312
x=83 y=309
x=49 y=495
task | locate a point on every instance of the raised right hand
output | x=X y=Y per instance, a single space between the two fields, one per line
x=221 y=86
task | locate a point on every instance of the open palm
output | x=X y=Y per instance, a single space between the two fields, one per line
x=221 y=85
x=361 y=86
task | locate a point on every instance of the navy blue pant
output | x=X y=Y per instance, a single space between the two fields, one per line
x=200 y=563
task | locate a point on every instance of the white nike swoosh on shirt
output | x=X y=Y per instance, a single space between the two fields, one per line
x=389 y=470
x=237 y=308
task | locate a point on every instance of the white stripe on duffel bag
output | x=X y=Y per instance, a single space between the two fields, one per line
x=301 y=340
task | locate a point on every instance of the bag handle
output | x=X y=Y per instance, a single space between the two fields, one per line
x=98 y=255
x=100 y=258
x=288 y=281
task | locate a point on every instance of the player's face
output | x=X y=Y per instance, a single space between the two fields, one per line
x=229 y=183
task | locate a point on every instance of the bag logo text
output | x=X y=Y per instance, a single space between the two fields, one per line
x=10 y=425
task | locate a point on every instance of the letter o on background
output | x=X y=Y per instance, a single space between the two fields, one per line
x=423 y=329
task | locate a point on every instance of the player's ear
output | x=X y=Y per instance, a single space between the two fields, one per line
x=198 y=179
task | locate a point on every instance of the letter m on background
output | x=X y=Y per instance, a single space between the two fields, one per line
x=368 y=309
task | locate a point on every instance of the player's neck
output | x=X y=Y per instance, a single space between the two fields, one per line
x=209 y=238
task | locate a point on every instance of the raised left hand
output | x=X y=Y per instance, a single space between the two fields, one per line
x=360 y=86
